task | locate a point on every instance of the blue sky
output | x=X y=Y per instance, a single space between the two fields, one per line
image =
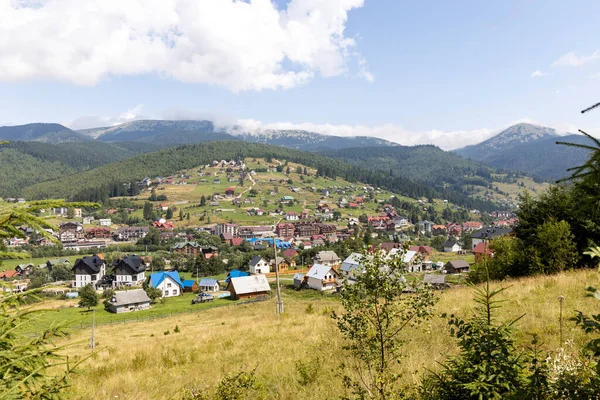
x=450 y=73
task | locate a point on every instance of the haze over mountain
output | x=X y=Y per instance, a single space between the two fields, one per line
x=531 y=149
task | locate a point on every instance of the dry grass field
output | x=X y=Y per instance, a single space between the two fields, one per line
x=138 y=361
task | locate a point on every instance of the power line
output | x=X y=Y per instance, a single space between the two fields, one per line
x=590 y=108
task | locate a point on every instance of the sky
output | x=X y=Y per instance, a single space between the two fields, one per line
x=447 y=73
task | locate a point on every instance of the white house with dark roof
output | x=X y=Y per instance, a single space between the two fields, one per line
x=88 y=270
x=351 y=266
x=129 y=271
x=322 y=277
x=259 y=265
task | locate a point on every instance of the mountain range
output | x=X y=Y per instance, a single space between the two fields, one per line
x=531 y=149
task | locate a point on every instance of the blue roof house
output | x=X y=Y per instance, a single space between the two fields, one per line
x=168 y=282
x=235 y=273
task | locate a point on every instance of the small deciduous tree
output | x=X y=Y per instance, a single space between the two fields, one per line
x=375 y=314
x=61 y=272
x=88 y=296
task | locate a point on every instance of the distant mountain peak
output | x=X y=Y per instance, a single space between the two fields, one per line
x=518 y=134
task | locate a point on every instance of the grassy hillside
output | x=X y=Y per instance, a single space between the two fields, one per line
x=26 y=163
x=215 y=342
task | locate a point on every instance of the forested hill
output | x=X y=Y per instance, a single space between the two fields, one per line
x=40 y=132
x=26 y=163
x=114 y=178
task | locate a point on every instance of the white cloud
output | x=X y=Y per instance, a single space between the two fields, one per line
x=93 y=121
x=240 y=45
x=573 y=60
x=538 y=74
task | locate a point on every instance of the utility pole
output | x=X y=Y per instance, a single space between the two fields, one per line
x=92 y=341
x=279 y=304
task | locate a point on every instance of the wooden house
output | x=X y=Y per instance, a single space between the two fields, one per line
x=245 y=287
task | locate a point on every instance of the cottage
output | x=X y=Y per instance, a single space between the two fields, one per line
x=259 y=265
x=280 y=264
x=208 y=285
x=168 y=282
x=190 y=286
x=456 y=266
x=129 y=300
x=321 y=277
x=482 y=251
x=350 y=266
x=244 y=287
x=129 y=271
x=328 y=258
x=88 y=270
x=452 y=246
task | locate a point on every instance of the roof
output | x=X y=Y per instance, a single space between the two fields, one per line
x=450 y=243
x=188 y=283
x=406 y=257
x=290 y=253
x=235 y=273
x=327 y=255
x=8 y=274
x=298 y=276
x=93 y=262
x=457 y=264
x=158 y=277
x=434 y=279
x=490 y=232
x=482 y=248
x=421 y=249
x=250 y=284
x=135 y=262
x=125 y=297
x=318 y=271
x=255 y=260
x=237 y=241
x=351 y=262
x=55 y=261
x=208 y=282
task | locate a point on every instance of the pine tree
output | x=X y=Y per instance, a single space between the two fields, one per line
x=169 y=214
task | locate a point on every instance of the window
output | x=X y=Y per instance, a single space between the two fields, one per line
x=168 y=285
x=166 y=292
x=174 y=292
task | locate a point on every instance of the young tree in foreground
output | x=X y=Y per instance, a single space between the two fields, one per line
x=88 y=296
x=375 y=314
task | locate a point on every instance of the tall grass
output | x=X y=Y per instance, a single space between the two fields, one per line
x=136 y=361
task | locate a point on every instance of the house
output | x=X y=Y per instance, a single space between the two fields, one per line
x=105 y=222
x=425 y=226
x=282 y=264
x=325 y=192
x=487 y=234
x=245 y=287
x=410 y=259
x=456 y=266
x=163 y=224
x=452 y=246
x=351 y=265
x=237 y=241
x=71 y=232
x=77 y=212
x=129 y=271
x=290 y=253
x=298 y=280
x=438 y=230
x=285 y=230
x=168 y=282
x=195 y=249
x=328 y=258
x=208 y=285
x=88 y=270
x=291 y=216
x=259 y=265
x=482 y=251
x=127 y=233
x=57 y=261
x=24 y=269
x=287 y=199
x=229 y=192
x=10 y=274
x=129 y=300
x=471 y=226
x=437 y=281
x=100 y=232
x=424 y=252
x=164 y=207
x=190 y=286
x=322 y=277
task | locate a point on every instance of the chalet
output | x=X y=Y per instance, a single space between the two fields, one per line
x=195 y=249
x=98 y=233
x=258 y=265
x=245 y=287
x=452 y=246
x=282 y=264
x=127 y=233
x=129 y=271
x=208 y=285
x=57 y=261
x=487 y=234
x=351 y=266
x=325 y=192
x=129 y=300
x=216 y=181
x=328 y=258
x=456 y=266
x=229 y=192
x=321 y=277
x=168 y=282
x=482 y=251
x=88 y=270
x=190 y=286
x=24 y=269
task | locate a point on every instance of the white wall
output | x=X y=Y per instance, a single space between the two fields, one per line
x=169 y=287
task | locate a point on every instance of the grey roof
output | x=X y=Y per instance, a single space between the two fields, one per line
x=434 y=279
x=127 y=297
x=93 y=262
x=352 y=262
x=208 y=282
x=298 y=276
x=457 y=264
x=255 y=260
x=250 y=284
x=491 y=232
x=327 y=255
x=450 y=243
x=134 y=262
x=319 y=271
